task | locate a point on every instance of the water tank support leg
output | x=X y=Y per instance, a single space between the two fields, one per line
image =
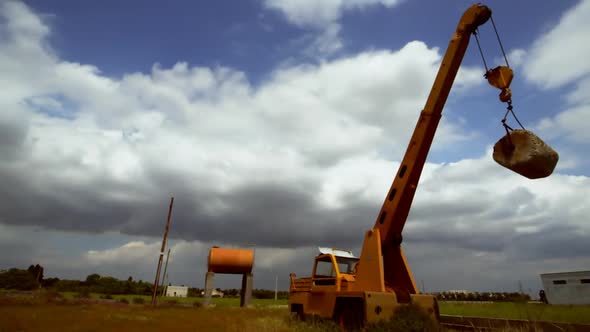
x=208 y=288
x=246 y=292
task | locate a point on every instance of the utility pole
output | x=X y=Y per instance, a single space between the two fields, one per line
x=165 y=288
x=154 y=296
x=165 y=269
x=276 y=287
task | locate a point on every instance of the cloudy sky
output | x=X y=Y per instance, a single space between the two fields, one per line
x=280 y=124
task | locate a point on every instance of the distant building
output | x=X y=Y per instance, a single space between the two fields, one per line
x=214 y=293
x=177 y=291
x=567 y=287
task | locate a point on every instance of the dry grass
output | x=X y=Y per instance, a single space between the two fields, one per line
x=579 y=314
x=104 y=317
x=220 y=302
x=51 y=312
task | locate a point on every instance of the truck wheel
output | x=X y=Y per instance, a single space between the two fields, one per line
x=350 y=319
x=297 y=312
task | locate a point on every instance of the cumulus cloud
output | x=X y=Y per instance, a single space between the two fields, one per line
x=125 y=254
x=326 y=42
x=100 y=154
x=497 y=205
x=294 y=162
x=580 y=95
x=471 y=216
x=321 y=13
x=322 y=16
x=516 y=57
x=550 y=66
x=569 y=124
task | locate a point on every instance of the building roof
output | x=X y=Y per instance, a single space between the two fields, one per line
x=564 y=273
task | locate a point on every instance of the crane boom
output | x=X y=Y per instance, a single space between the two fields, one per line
x=355 y=291
x=396 y=207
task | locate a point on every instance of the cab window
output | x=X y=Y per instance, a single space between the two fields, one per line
x=325 y=274
x=325 y=269
x=346 y=264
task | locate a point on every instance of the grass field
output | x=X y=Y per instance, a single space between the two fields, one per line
x=51 y=312
x=100 y=317
x=528 y=311
x=218 y=302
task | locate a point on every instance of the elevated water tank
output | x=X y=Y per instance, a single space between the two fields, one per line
x=231 y=261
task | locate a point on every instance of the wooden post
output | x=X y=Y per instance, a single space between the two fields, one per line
x=154 y=296
x=276 y=287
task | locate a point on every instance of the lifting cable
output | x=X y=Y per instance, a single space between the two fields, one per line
x=475 y=33
x=509 y=109
x=499 y=41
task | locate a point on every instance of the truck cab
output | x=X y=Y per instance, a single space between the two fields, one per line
x=333 y=273
x=330 y=292
x=334 y=267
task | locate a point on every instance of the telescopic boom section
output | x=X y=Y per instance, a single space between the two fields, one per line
x=395 y=210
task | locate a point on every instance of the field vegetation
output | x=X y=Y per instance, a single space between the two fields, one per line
x=44 y=310
x=33 y=278
x=146 y=299
x=518 y=310
x=53 y=311
x=105 y=303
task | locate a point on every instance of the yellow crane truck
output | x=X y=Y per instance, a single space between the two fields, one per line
x=354 y=291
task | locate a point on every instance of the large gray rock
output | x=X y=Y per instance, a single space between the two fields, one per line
x=526 y=154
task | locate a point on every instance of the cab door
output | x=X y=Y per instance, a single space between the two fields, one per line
x=324 y=286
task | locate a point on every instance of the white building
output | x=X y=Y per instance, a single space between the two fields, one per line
x=177 y=291
x=567 y=287
x=214 y=293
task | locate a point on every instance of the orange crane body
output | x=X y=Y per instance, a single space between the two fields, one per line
x=356 y=291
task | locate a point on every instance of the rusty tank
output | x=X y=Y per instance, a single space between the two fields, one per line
x=231 y=261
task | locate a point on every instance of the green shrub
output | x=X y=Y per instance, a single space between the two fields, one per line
x=18 y=279
x=106 y=297
x=171 y=302
x=52 y=295
x=312 y=324
x=83 y=293
x=138 y=300
x=407 y=318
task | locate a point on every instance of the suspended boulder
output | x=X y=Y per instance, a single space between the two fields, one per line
x=526 y=154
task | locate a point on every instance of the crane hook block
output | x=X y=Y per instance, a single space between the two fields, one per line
x=526 y=154
x=501 y=77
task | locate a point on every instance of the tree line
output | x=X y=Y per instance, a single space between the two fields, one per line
x=32 y=278
x=483 y=296
x=28 y=279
